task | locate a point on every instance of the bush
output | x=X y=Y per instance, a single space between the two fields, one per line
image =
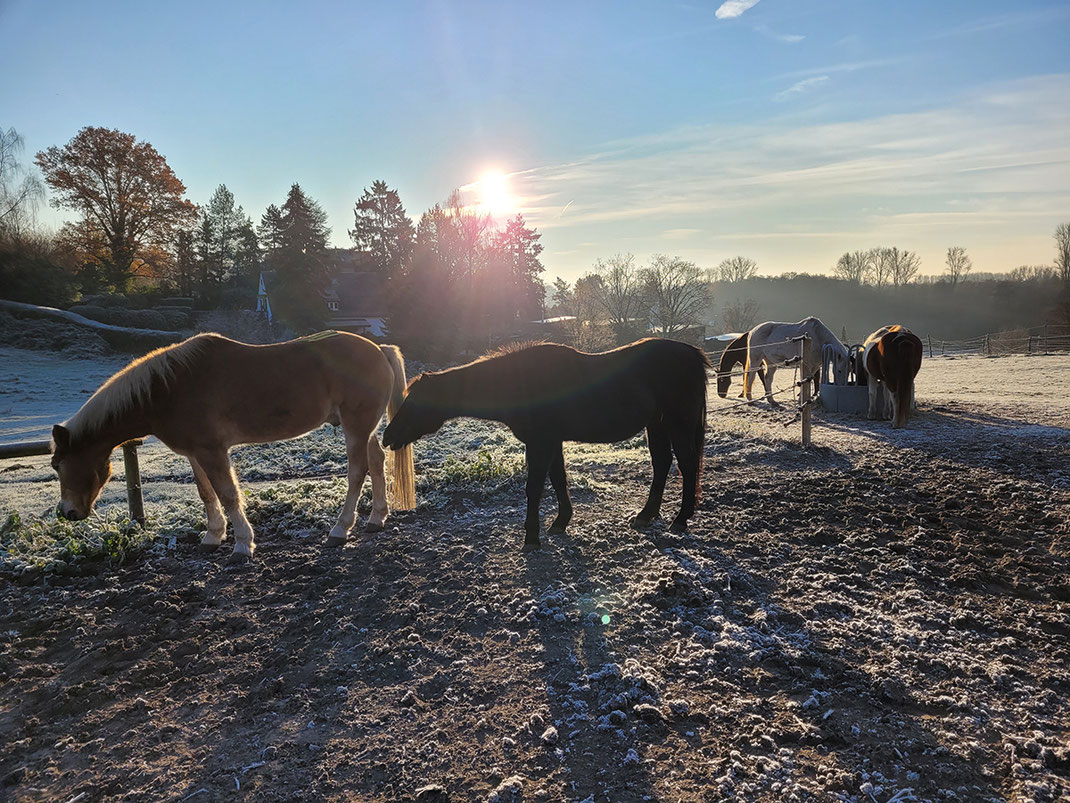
x=35 y=280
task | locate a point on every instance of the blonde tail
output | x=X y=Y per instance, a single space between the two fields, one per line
x=403 y=487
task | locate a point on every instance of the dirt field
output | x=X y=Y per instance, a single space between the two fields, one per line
x=884 y=617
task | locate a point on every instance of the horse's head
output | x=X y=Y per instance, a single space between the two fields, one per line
x=420 y=414
x=83 y=470
x=724 y=382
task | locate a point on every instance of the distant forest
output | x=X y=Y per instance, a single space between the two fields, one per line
x=940 y=309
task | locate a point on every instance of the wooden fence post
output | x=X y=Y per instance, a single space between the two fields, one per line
x=930 y=337
x=133 y=482
x=804 y=393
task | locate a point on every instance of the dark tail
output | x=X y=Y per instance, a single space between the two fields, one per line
x=908 y=359
x=700 y=429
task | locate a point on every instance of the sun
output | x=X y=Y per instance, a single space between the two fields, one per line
x=494 y=194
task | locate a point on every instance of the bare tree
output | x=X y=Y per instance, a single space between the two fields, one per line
x=736 y=269
x=677 y=293
x=880 y=266
x=854 y=266
x=891 y=265
x=20 y=191
x=620 y=294
x=740 y=315
x=1062 y=250
x=1030 y=273
x=958 y=264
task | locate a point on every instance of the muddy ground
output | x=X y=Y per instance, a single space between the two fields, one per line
x=883 y=617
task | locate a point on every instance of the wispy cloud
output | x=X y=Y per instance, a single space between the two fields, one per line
x=899 y=175
x=1000 y=22
x=734 y=8
x=801 y=87
x=790 y=38
x=847 y=66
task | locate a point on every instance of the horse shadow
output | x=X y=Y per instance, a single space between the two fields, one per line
x=968 y=438
x=595 y=748
x=813 y=695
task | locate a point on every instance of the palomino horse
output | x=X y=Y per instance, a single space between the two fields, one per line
x=892 y=356
x=546 y=394
x=770 y=344
x=208 y=393
x=735 y=354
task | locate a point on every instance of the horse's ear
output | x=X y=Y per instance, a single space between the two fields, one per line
x=61 y=436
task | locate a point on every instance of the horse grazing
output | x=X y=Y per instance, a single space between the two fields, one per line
x=208 y=393
x=547 y=393
x=735 y=354
x=892 y=357
x=770 y=344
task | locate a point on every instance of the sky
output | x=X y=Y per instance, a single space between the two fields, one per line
x=788 y=131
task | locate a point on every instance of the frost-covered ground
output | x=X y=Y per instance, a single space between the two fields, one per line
x=883 y=617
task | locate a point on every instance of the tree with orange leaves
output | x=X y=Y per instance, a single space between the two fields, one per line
x=125 y=190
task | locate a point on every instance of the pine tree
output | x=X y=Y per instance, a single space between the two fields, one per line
x=301 y=262
x=270 y=231
x=382 y=228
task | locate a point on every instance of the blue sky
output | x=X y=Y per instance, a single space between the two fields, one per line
x=789 y=131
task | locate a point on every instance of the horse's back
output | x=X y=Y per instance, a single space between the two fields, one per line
x=239 y=392
x=609 y=396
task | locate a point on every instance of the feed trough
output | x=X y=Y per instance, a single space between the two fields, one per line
x=844 y=387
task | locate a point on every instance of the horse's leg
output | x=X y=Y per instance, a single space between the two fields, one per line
x=767 y=380
x=657 y=440
x=874 y=397
x=220 y=474
x=380 y=507
x=357 y=458
x=559 y=480
x=217 y=525
x=685 y=445
x=539 y=456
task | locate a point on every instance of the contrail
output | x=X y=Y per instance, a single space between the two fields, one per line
x=566 y=206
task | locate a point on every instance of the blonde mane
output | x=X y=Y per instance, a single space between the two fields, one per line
x=132 y=386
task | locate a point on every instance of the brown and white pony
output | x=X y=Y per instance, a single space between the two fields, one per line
x=734 y=354
x=207 y=394
x=892 y=357
x=770 y=344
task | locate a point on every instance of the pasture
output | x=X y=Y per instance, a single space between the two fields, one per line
x=885 y=616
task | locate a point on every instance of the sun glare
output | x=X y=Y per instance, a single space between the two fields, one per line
x=494 y=195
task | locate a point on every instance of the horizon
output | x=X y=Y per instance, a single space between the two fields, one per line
x=789 y=135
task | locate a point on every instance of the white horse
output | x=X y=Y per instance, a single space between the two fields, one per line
x=770 y=344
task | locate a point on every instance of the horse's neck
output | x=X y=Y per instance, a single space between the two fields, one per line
x=131 y=423
x=474 y=390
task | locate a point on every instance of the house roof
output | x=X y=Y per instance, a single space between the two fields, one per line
x=357 y=294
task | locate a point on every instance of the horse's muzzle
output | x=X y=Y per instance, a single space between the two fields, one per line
x=69 y=515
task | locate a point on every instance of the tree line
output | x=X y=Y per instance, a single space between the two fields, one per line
x=456 y=278
x=455 y=275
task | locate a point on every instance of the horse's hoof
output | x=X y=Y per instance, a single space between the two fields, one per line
x=207 y=549
x=678 y=527
x=531 y=546
x=335 y=540
x=556 y=529
x=640 y=523
x=373 y=528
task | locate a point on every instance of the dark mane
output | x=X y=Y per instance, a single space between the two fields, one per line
x=512 y=348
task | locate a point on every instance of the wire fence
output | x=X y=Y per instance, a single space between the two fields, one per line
x=1036 y=340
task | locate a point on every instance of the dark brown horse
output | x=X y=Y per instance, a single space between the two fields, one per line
x=892 y=356
x=546 y=394
x=735 y=354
